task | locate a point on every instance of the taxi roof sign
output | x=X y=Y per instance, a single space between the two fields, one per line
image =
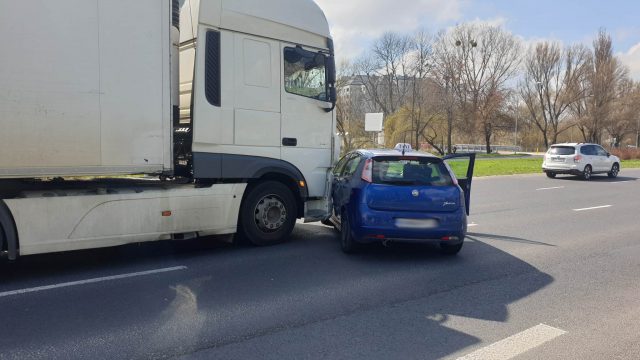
x=404 y=147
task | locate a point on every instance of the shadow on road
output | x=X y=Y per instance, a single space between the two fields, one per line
x=303 y=299
x=475 y=236
x=597 y=178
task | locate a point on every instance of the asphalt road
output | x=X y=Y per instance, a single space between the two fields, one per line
x=530 y=259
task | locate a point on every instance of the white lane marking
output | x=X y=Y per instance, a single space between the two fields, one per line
x=517 y=344
x=594 y=208
x=90 y=281
x=551 y=188
x=472 y=225
x=622 y=182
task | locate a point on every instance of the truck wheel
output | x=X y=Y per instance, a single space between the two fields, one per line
x=8 y=234
x=268 y=214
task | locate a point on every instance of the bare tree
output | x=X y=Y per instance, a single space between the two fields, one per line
x=551 y=85
x=351 y=107
x=604 y=74
x=383 y=71
x=422 y=106
x=447 y=74
x=625 y=112
x=477 y=61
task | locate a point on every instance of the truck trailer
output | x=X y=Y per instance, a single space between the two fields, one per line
x=130 y=121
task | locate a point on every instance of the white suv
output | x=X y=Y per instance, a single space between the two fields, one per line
x=580 y=159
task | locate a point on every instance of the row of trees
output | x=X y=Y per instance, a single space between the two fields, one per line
x=473 y=83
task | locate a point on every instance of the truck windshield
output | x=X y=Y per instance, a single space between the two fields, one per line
x=408 y=170
x=305 y=73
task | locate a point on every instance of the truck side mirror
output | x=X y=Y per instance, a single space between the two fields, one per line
x=333 y=95
x=331 y=69
x=333 y=98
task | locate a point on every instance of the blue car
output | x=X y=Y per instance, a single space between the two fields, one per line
x=382 y=196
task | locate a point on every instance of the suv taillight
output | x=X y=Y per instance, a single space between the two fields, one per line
x=367 y=171
x=577 y=158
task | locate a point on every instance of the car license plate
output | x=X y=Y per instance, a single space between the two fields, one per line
x=416 y=223
x=557 y=159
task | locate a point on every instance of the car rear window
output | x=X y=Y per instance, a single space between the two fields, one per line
x=562 y=150
x=407 y=170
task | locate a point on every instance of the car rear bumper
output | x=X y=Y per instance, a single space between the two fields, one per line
x=574 y=169
x=374 y=226
x=563 y=171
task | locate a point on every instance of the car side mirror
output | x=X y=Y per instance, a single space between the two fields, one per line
x=608 y=154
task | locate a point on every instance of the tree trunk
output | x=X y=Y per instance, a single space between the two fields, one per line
x=488 y=130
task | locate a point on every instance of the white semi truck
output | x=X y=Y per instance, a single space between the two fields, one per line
x=129 y=121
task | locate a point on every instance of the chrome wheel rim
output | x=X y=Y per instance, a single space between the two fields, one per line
x=270 y=214
x=587 y=173
x=615 y=170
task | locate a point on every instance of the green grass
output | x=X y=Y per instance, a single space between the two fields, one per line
x=630 y=164
x=513 y=167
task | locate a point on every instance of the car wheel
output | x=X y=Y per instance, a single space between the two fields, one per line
x=587 y=173
x=347 y=243
x=450 y=249
x=615 y=170
x=551 y=175
x=268 y=214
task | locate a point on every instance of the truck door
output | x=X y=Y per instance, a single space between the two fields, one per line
x=306 y=130
x=462 y=166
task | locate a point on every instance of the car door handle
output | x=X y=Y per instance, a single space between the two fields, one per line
x=289 y=142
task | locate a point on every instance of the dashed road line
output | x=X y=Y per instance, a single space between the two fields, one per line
x=517 y=344
x=550 y=188
x=594 y=208
x=91 y=281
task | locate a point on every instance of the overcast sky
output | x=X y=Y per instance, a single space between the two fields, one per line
x=355 y=23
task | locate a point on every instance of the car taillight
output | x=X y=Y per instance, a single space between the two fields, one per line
x=577 y=158
x=367 y=171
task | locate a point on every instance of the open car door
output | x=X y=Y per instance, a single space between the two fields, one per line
x=462 y=166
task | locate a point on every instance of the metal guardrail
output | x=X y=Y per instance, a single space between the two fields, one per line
x=474 y=148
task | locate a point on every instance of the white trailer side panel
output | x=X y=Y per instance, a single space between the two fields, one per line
x=81 y=221
x=85 y=87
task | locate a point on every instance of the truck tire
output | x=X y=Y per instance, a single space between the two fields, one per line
x=8 y=234
x=268 y=214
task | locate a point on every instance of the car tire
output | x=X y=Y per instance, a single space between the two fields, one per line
x=268 y=214
x=551 y=175
x=615 y=170
x=587 y=173
x=450 y=250
x=347 y=242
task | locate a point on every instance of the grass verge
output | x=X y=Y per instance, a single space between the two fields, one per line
x=496 y=167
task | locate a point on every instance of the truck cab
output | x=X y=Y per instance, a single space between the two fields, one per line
x=257 y=89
